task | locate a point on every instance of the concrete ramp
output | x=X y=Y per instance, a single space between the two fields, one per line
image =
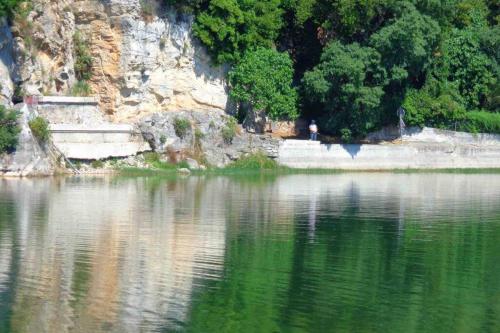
x=312 y=154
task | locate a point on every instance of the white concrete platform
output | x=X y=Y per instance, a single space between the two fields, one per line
x=97 y=142
x=308 y=154
x=67 y=100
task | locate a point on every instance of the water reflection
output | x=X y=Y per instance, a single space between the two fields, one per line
x=350 y=252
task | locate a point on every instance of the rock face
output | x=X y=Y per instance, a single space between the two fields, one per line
x=142 y=64
x=7 y=66
x=31 y=157
x=204 y=137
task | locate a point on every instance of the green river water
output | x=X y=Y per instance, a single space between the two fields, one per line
x=360 y=252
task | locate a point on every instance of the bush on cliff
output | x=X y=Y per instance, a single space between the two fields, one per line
x=181 y=127
x=7 y=7
x=83 y=57
x=40 y=128
x=9 y=130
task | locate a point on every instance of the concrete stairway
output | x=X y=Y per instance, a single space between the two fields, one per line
x=97 y=142
x=80 y=131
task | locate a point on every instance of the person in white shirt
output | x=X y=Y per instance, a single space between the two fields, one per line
x=313 y=129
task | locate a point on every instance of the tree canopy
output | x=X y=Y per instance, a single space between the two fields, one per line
x=263 y=78
x=7 y=6
x=356 y=61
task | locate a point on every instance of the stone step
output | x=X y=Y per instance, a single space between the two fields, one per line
x=101 y=128
x=65 y=100
x=301 y=143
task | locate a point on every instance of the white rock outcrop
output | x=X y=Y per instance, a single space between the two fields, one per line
x=142 y=63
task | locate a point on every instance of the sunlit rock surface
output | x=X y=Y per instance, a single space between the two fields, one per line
x=140 y=64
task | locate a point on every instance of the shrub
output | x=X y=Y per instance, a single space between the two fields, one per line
x=8 y=7
x=181 y=127
x=264 y=79
x=19 y=94
x=254 y=161
x=40 y=128
x=163 y=139
x=81 y=88
x=346 y=135
x=481 y=122
x=83 y=58
x=151 y=157
x=9 y=130
x=97 y=164
x=440 y=109
x=147 y=9
x=229 y=131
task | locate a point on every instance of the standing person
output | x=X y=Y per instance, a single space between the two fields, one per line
x=313 y=129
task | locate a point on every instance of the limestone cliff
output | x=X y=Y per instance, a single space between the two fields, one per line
x=143 y=63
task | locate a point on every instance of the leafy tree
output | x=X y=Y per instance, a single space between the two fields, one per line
x=464 y=62
x=228 y=28
x=347 y=85
x=9 y=129
x=263 y=79
x=187 y=6
x=345 y=20
x=8 y=6
x=406 y=45
x=437 y=105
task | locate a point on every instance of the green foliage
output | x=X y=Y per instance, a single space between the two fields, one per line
x=406 y=45
x=151 y=157
x=18 y=95
x=229 y=28
x=229 y=131
x=97 y=164
x=352 y=20
x=347 y=86
x=163 y=139
x=263 y=79
x=481 y=122
x=8 y=7
x=254 y=161
x=9 y=130
x=346 y=135
x=464 y=62
x=81 y=88
x=442 y=55
x=181 y=127
x=186 y=6
x=40 y=128
x=83 y=57
x=147 y=8
x=440 y=108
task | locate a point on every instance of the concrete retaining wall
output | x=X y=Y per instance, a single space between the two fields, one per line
x=97 y=142
x=416 y=155
x=80 y=130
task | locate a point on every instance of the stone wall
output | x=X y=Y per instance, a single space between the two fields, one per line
x=80 y=131
x=204 y=134
x=414 y=155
